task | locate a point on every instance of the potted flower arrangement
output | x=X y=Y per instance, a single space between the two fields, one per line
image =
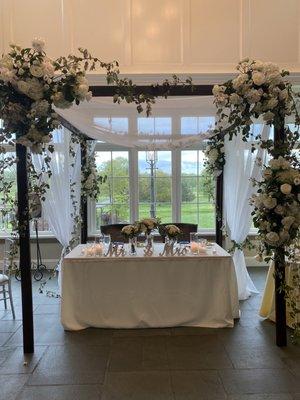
x=147 y=225
x=170 y=232
x=131 y=232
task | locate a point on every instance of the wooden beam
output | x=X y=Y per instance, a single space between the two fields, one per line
x=24 y=245
x=219 y=209
x=160 y=90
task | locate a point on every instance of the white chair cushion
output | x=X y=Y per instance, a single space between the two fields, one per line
x=3 y=279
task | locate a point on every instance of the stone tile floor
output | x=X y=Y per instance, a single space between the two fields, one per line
x=242 y=363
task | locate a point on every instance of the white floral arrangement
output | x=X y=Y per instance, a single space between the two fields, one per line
x=147 y=225
x=277 y=205
x=131 y=230
x=172 y=231
x=260 y=89
x=31 y=85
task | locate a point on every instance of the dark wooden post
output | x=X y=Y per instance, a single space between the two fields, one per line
x=280 y=304
x=24 y=244
x=219 y=209
x=83 y=198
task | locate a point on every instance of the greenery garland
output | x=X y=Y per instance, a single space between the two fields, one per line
x=261 y=90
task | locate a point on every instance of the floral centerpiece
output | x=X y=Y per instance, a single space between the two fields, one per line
x=131 y=232
x=147 y=225
x=172 y=232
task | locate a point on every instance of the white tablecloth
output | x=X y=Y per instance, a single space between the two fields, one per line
x=139 y=292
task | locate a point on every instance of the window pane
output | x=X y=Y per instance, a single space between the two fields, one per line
x=205 y=123
x=189 y=213
x=189 y=189
x=189 y=125
x=163 y=190
x=111 y=214
x=115 y=123
x=103 y=162
x=120 y=163
x=144 y=190
x=189 y=162
x=197 y=190
x=112 y=205
x=154 y=126
x=164 y=162
x=164 y=212
x=121 y=190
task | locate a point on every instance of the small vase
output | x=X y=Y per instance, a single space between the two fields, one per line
x=132 y=246
x=149 y=240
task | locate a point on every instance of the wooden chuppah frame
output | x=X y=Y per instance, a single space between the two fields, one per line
x=24 y=234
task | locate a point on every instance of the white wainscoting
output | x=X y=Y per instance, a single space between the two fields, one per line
x=160 y=36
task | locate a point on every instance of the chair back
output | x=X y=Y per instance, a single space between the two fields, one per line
x=186 y=229
x=114 y=230
x=8 y=244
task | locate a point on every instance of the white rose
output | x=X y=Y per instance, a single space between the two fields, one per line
x=253 y=96
x=288 y=221
x=272 y=238
x=239 y=81
x=59 y=101
x=297 y=181
x=234 y=98
x=36 y=71
x=35 y=89
x=268 y=116
x=23 y=86
x=270 y=67
x=269 y=202
x=283 y=95
x=284 y=236
x=258 y=78
x=258 y=65
x=6 y=75
x=38 y=44
x=48 y=68
x=286 y=188
x=6 y=62
x=272 y=103
x=213 y=154
x=217 y=89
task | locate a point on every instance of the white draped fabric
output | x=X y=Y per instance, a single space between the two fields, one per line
x=240 y=168
x=58 y=209
x=98 y=120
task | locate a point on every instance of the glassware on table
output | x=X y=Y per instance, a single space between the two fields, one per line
x=132 y=246
x=194 y=242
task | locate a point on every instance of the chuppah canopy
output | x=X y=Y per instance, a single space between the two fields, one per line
x=98 y=120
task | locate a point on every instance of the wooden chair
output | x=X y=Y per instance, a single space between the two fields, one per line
x=5 y=278
x=114 y=230
x=186 y=229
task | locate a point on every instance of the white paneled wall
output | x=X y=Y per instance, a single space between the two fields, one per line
x=151 y=36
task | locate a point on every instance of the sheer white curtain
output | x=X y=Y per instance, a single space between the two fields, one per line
x=240 y=167
x=58 y=209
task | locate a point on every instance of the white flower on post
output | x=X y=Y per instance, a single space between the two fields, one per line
x=213 y=154
x=288 y=221
x=258 y=78
x=38 y=44
x=234 y=98
x=239 y=81
x=272 y=103
x=286 y=188
x=37 y=71
x=268 y=116
x=272 y=238
x=279 y=210
x=297 y=181
x=269 y=202
x=267 y=173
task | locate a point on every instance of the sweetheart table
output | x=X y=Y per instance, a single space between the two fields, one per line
x=154 y=291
